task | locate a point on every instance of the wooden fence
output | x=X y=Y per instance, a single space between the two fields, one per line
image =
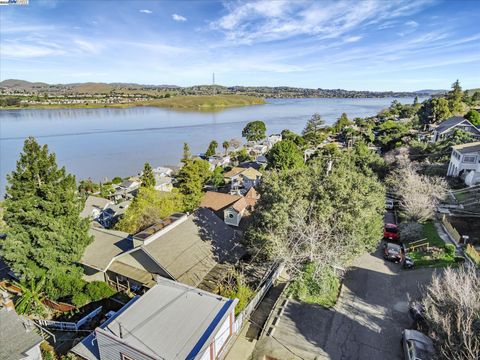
x=451 y=230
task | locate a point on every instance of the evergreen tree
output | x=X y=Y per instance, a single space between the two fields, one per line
x=212 y=149
x=148 y=179
x=46 y=235
x=341 y=123
x=314 y=132
x=186 y=153
x=455 y=98
x=190 y=181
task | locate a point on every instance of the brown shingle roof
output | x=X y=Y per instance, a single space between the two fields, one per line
x=217 y=201
x=233 y=172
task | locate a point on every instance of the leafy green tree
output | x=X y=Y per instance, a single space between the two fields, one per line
x=473 y=116
x=191 y=180
x=290 y=135
x=88 y=186
x=434 y=111
x=46 y=235
x=476 y=96
x=391 y=134
x=148 y=178
x=186 y=153
x=455 y=98
x=284 y=155
x=149 y=207
x=341 y=123
x=117 y=180
x=254 y=131
x=314 y=132
x=217 y=178
x=212 y=149
x=242 y=155
x=225 y=146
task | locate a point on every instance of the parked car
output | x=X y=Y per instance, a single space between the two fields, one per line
x=389 y=204
x=393 y=252
x=391 y=232
x=417 y=346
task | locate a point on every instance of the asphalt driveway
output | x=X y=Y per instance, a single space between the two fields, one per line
x=366 y=322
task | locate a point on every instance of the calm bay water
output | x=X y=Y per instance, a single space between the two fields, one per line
x=100 y=143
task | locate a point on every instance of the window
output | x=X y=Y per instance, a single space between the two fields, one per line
x=469 y=159
x=230 y=215
x=125 y=357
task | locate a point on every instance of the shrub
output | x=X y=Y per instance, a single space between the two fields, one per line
x=236 y=288
x=450 y=249
x=473 y=254
x=47 y=350
x=411 y=231
x=98 y=290
x=318 y=287
x=80 y=299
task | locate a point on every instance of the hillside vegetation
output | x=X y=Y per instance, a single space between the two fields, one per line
x=207 y=102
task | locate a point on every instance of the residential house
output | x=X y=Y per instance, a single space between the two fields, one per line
x=231 y=208
x=218 y=160
x=170 y=321
x=163 y=171
x=465 y=162
x=187 y=248
x=94 y=206
x=18 y=339
x=445 y=129
x=127 y=190
x=242 y=178
x=113 y=213
x=129 y=185
x=273 y=139
x=163 y=183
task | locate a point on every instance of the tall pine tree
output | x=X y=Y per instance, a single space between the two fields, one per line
x=148 y=178
x=46 y=235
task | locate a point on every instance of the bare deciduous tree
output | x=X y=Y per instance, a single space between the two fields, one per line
x=452 y=309
x=419 y=194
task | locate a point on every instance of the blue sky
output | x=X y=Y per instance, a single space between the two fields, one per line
x=368 y=45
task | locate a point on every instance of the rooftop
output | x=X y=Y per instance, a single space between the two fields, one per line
x=155 y=228
x=171 y=321
x=94 y=202
x=449 y=123
x=15 y=337
x=217 y=201
x=468 y=148
x=105 y=246
x=194 y=247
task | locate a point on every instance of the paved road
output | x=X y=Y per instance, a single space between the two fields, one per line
x=365 y=324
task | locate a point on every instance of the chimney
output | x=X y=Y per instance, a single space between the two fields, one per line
x=7 y=302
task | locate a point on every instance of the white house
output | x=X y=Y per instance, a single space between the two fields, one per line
x=170 y=321
x=163 y=171
x=242 y=178
x=465 y=162
x=163 y=183
x=94 y=206
x=444 y=129
x=218 y=160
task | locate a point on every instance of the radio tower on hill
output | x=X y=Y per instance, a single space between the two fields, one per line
x=213 y=83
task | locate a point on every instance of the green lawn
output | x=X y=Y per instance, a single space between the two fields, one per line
x=446 y=255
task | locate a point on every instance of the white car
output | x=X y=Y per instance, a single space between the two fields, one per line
x=389 y=204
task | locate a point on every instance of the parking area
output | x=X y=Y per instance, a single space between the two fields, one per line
x=366 y=322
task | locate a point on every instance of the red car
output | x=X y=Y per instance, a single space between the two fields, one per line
x=391 y=232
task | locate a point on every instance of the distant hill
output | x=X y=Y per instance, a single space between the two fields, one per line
x=155 y=91
x=431 y=92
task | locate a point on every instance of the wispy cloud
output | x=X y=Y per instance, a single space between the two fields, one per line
x=146 y=11
x=180 y=18
x=266 y=20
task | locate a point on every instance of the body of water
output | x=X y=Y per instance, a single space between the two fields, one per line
x=103 y=143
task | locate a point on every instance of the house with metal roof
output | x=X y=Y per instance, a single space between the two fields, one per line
x=465 y=162
x=18 y=339
x=446 y=128
x=170 y=321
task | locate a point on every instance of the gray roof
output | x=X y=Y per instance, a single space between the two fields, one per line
x=94 y=202
x=467 y=148
x=451 y=122
x=105 y=246
x=15 y=338
x=88 y=348
x=191 y=249
x=172 y=321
